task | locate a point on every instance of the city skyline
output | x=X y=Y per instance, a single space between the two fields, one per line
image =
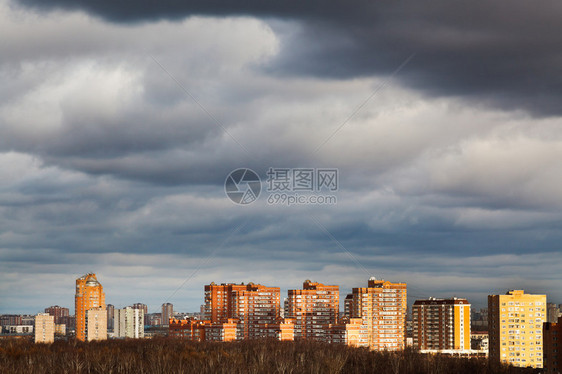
x=122 y=130
x=285 y=295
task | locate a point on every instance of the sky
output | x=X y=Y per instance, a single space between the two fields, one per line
x=120 y=122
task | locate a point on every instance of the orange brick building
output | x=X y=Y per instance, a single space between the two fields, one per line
x=89 y=295
x=253 y=305
x=222 y=331
x=313 y=307
x=352 y=332
x=284 y=330
x=189 y=329
x=383 y=307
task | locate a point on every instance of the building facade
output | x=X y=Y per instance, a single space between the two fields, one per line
x=515 y=323
x=313 y=307
x=129 y=323
x=189 y=329
x=253 y=306
x=58 y=312
x=96 y=324
x=89 y=295
x=167 y=313
x=441 y=324
x=383 y=308
x=352 y=332
x=110 y=308
x=552 y=347
x=144 y=308
x=44 y=328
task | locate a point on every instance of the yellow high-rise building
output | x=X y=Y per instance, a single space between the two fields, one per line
x=515 y=328
x=89 y=295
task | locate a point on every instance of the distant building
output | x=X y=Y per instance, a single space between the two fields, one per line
x=552 y=342
x=552 y=312
x=10 y=320
x=58 y=312
x=154 y=319
x=441 y=324
x=479 y=340
x=96 y=324
x=167 y=313
x=89 y=295
x=69 y=322
x=44 y=328
x=129 y=323
x=18 y=329
x=144 y=309
x=383 y=308
x=110 y=309
x=60 y=329
x=479 y=319
x=313 y=307
x=515 y=322
x=27 y=319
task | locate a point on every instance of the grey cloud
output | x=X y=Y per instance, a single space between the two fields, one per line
x=502 y=53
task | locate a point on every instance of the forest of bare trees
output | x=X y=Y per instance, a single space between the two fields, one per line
x=165 y=355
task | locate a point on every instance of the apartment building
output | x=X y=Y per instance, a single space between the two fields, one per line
x=552 y=347
x=515 y=328
x=382 y=306
x=352 y=332
x=44 y=328
x=222 y=331
x=441 y=324
x=253 y=305
x=129 y=323
x=96 y=324
x=58 y=312
x=313 y=307
x=167 y=313
x=89 y=295
x=189 y=329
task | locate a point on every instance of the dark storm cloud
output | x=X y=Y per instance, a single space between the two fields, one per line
x=500 y=53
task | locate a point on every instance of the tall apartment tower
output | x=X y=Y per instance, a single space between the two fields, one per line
x=313 y=307
x=167 y=313
x=252 y=305
x=383 y=308
x=89 y=294
x=515 y=322
x=441 y=324
x=129 y=323
x=58 y=312
x=44 y=328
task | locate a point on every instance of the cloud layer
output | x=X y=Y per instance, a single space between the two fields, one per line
x=118 y=127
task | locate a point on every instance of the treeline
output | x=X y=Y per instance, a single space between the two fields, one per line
x=166 y=355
